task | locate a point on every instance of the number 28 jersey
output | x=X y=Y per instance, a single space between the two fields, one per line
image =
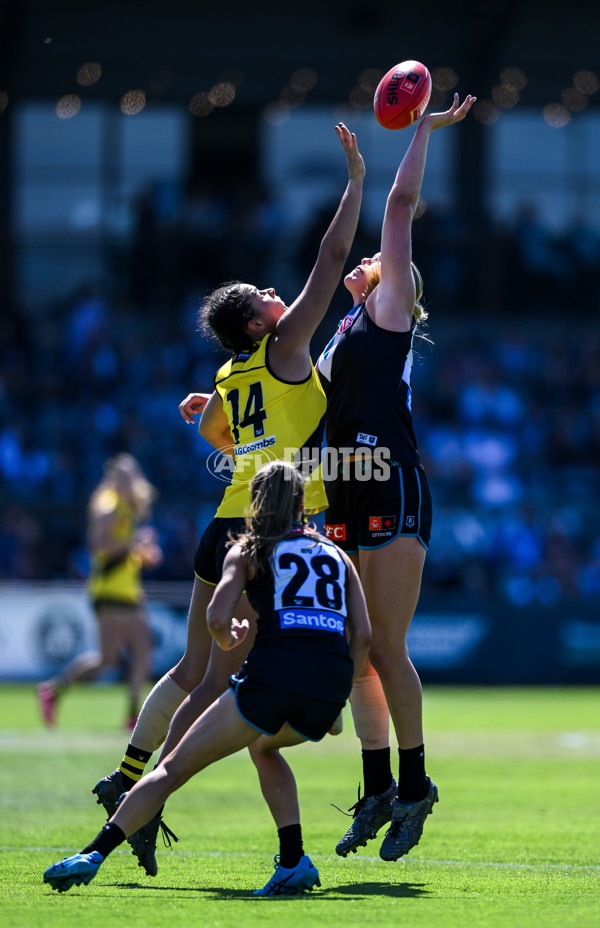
x=300 y=643
x=270 y=419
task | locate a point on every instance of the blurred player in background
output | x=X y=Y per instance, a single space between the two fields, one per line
x=267 y=400
x=290 y=689
x=385 y=524
x=120 y=546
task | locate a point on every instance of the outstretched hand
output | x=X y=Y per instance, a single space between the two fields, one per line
x=454 y=114
x=356 y=165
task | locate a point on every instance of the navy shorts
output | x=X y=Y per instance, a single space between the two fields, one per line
x=372 y=513
x=267 y=708
x=210 y=554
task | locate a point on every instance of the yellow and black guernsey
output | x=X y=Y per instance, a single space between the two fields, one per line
x=270 y=419
x=116 y=579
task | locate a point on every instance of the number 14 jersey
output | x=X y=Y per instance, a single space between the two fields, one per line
x=270 y=419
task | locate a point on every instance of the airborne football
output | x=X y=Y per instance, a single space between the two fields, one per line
x=402 y=95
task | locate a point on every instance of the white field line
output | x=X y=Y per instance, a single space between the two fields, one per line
x=558 y=744
x=415 y=861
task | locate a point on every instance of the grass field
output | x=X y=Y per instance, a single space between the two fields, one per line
x=514 y=840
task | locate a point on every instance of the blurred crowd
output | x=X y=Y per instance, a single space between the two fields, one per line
x=510 y=435
x=506 y=399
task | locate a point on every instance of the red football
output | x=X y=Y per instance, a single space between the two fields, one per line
x=402 y=95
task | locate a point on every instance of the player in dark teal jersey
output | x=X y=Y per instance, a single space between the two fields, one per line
x=312 y=638
x=382 y=517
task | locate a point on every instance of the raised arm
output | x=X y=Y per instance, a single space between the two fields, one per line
x=297 y=326
x=391 y=304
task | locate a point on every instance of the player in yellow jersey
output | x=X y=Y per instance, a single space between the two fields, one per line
x=269 y=418
x=267 y=400
x=120 y=548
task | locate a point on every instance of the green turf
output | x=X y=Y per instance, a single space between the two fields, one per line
x=513 y=842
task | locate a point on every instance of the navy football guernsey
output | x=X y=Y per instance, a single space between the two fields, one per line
x=300 y=643
x=365 y=371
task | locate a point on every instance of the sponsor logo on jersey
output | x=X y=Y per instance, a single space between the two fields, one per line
x=253 y=446
x=365 y=439
x=243 y=356
x=382 y=525
x=337 y=532
x=325 y=362
x=319 y=619
x=345 y=324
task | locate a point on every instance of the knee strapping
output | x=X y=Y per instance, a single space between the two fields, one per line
x=158 y=710
x=370 y=712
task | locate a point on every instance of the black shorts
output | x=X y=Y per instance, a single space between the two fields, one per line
x=267 y=708
x=210 y=554
x=372 y=513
